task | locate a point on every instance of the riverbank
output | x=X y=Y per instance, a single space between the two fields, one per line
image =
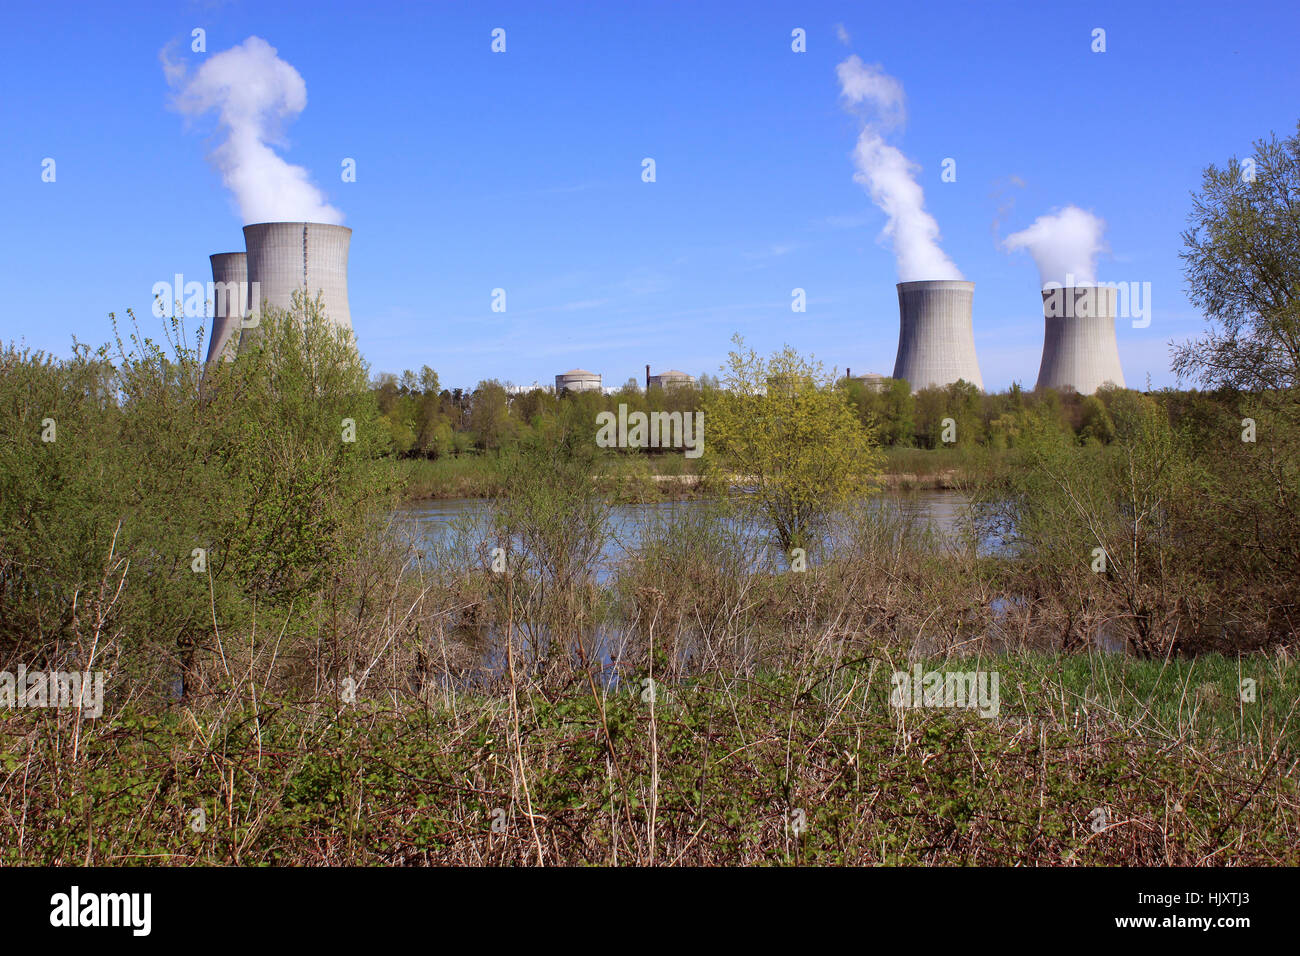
x=671 y=477
x=1089 y=760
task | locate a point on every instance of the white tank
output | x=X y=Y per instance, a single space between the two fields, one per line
x=577 y=380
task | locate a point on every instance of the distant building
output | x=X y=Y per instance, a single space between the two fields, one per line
x=874 y=381
x=577 y=380
x=672 y=379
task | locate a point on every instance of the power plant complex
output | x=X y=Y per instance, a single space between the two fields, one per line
x=936 y=338
x=281 y=258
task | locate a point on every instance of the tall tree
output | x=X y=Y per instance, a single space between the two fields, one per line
x=1242 y=263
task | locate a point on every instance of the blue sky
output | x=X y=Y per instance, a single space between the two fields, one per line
x=522 y=170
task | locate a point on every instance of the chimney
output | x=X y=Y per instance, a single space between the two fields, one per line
x=647 y=379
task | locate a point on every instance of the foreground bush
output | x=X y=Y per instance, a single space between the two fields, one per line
x=149 y=506
x=1088 y=762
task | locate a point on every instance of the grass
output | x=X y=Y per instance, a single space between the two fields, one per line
x=1192 y=698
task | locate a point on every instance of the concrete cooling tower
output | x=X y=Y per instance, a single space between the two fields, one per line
x=936 y=342
x=230 y=303
x=1079 y=348
x=284 y=257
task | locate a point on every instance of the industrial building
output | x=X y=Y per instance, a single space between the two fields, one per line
x=874 y=381
x=230 y=303
x=1079 y=347
x=936 y=341
x=577 y=380
x=671 y=379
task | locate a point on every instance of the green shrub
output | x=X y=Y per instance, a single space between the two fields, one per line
x=173 y=501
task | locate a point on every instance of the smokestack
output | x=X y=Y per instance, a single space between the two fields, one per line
x=1079 y=347
x=647 y=378
x=229 y=305
x=311 y=257
x=936 y=341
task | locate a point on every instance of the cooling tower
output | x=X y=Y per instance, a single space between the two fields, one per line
x=936 y=343
x=284 y=257
x=1079 y=348
x=229 y=303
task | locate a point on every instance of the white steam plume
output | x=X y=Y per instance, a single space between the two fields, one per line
x=254 y=92
x=889 y=176
x=1064 y=244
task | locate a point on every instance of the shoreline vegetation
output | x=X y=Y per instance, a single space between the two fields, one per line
x=669 y=477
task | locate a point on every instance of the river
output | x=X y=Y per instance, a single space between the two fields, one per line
x=941 y=511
